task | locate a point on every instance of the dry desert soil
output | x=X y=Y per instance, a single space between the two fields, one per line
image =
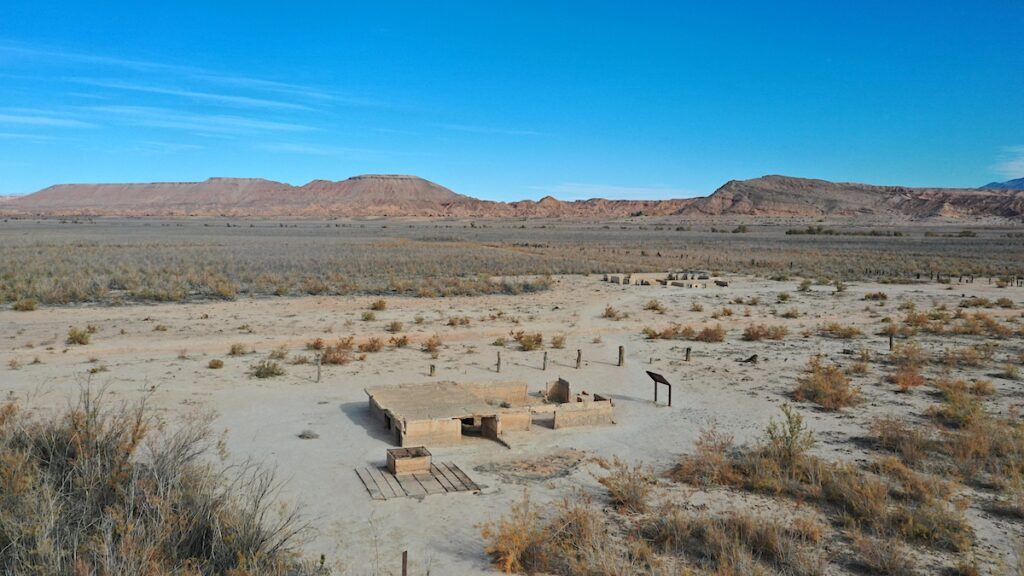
x=161 y=352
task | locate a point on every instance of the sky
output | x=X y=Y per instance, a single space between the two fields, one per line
x=513 y=100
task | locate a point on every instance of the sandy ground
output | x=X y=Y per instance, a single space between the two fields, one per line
x=161 y=352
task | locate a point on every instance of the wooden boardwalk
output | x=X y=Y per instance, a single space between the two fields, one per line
x=443 y=477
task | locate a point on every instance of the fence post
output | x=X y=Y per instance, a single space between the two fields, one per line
x=545 y=360
x=405 y=563
x=431 y=369
x=687 y=354
x=579 y=358
x=319 y=360
x=499 y=361
x=622 y=355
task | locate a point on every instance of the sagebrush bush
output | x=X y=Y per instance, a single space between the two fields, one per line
x=826 y=386
x=77 y=336
x=266 y=369
x=108 y=490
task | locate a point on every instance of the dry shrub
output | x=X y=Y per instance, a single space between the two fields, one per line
x=339 y=353
x=791 y=313
x=316 y=344
x=710 y=463
x=369 y=316
x=628 y=486
x=612 y=314
x=711 y=334
x=911 y=485
x=571 y=539
x=266 y=369
x=25 y=305
x=279 y=353
x=374 y=344
x=654 y=306
x=906 y=378
x=433 y=344
x=238 y=349
x=909 y=355
x=696 y=307
x=399 y=341
x=558 y=341
x=910 y=443
x=877 y=296
x=458 y=321
x=670 y=332
x=527 y=341
x=77 y=336
x=837 y=330
x=215 y=364
x=883 y=556
x=735 y=542
x=756 y=332
x=378 y=305
x=109 y=490
x=825 y=385
x=394 y=327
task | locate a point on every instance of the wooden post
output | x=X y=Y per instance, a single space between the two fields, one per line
x=890 y=342
x=499 y=361
x=405 y=563
x=579 y=358
x=545 y=367
x=687 y=359
x=319 y=360
x=432 y=369
x=622 y=355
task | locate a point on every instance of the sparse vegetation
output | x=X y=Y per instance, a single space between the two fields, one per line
x=101 y=507
x=215 y=364
x=266 y=369
x=77 y=336
x=826 y=386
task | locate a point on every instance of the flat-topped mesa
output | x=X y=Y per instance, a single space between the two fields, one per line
x=405 y=195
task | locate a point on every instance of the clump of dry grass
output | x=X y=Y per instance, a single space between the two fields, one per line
x=109 y=490
x=339 y=353
x=25 y=305
x=369 y=316
x=910 y=442
x=558 y=341
x=238 y=349
x=458 y=321
x=883 y=556
x=670 y=332
x=399 y=341
x=837 y=330
x=528 y=341
x=611 y=313
x=432 y=345
x=215 y=364
x=755 y=332
x=77 y=336
x=378 y=305
x=266 y=369
x=628 y=486
x=373 y=344
x=394 y=327
x=654 y=306
x=714 y=333
x=826 y=386
x=906 y=378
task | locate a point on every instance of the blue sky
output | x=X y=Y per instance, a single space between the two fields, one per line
x=512 y=100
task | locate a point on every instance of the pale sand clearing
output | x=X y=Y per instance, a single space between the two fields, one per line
x=263 y=417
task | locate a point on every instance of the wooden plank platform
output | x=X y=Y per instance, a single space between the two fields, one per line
x=443 y=477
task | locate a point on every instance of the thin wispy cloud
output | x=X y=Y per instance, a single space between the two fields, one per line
x=582 y=191
x=474 y=129
x=32 y=119
x=26 y=137
x=174 y=119
x=226 y=99
x=23 y=53
x=1011 y=162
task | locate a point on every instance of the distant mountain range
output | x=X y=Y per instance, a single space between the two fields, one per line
x=1017 y=184
x=411 y=196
